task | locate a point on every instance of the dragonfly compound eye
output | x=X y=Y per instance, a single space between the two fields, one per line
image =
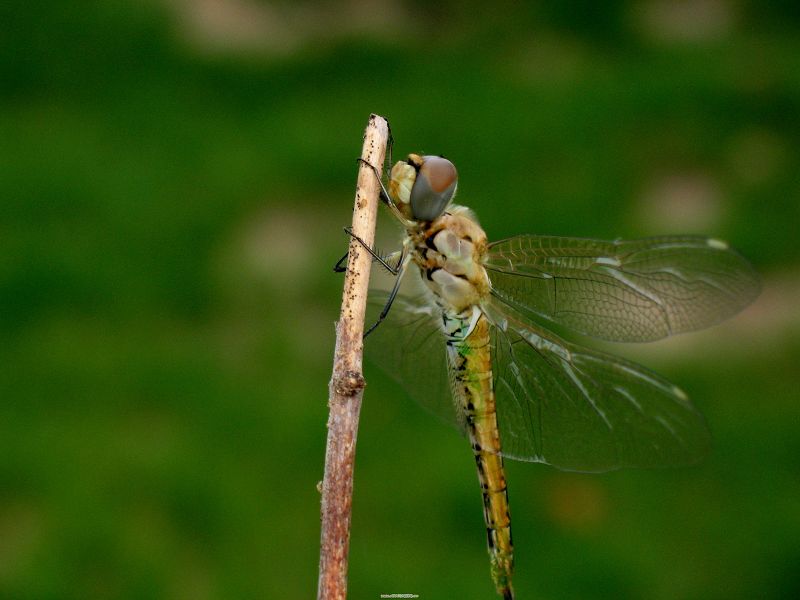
x=433 y=188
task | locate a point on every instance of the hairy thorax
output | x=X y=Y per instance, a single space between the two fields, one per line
x=449 y=252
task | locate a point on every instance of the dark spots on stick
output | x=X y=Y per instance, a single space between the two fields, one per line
x=349 y=383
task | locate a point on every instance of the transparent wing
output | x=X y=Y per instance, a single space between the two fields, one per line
x=581 y=410
x=628 y=291
x=409 y=347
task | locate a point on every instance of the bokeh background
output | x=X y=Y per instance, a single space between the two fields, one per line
x=174 y=179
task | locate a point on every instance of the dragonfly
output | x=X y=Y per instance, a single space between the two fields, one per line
x=481 y=347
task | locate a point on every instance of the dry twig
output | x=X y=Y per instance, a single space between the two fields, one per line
x=347 y=384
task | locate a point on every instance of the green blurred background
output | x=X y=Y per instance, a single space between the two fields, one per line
x=174 y=179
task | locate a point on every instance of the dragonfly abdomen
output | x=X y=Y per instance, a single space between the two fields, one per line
x=470 y=364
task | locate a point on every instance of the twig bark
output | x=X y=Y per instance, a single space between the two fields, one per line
x=347 y=384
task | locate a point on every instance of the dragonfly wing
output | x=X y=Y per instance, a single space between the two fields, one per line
x=582 y=410
x=628 y=291
x=409 y=347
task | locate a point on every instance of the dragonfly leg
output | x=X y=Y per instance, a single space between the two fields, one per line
x=389 y=301
x=393 y=269
x=389 y=145
x=339 y=266
x=385 y=198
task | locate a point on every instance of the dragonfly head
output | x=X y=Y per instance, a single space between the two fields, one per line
x=423 y=186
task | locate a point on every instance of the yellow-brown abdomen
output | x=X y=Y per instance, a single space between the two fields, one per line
x=470 y=361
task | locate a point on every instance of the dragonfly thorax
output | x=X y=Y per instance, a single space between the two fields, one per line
x=449 y=253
